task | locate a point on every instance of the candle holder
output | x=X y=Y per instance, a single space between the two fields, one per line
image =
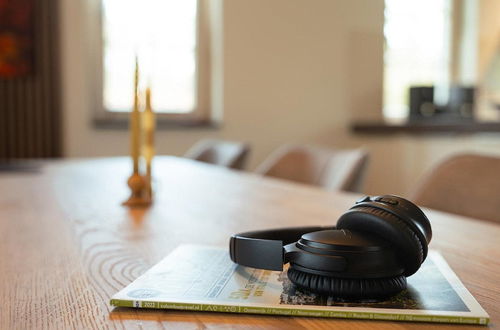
x=140 y=185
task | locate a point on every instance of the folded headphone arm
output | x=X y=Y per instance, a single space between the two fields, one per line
x=264 y=249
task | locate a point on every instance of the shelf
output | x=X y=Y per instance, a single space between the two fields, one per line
x=424 y=127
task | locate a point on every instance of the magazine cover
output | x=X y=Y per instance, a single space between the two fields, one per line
x=203 y=278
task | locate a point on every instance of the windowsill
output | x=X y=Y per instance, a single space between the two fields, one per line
x=161 y=124
x=380 y=127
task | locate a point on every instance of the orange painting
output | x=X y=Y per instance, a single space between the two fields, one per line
x=16 y=38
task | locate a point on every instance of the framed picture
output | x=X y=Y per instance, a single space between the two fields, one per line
x=16 y=38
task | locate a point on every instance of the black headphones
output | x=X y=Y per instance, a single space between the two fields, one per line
x=376 y=244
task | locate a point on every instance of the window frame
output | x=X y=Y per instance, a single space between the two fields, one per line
x=201 y=115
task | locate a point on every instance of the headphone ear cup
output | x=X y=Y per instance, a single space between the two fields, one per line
x=390 y=227
x=347 y=287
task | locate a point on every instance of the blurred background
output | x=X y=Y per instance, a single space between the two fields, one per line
x=411 y=82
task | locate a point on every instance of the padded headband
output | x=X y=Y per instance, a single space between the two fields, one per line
x=264 y=248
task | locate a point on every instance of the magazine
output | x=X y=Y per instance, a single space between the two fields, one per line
x=203 y=278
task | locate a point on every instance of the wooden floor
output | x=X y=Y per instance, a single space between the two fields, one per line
x=67 y=245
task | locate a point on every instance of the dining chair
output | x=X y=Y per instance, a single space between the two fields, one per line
x=332 y=169
x=464 y=184
x=229 y=154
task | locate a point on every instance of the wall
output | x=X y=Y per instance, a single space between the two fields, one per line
x=489 y=33
x=290 y=74
x=294 y=71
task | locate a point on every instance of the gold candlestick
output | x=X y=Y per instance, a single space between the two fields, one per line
x=148 y=150
x=135 y=122
x=137 y=183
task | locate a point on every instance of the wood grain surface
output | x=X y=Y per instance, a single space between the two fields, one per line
x=67 y=245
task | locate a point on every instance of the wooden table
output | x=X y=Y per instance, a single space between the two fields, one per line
x=67 y=245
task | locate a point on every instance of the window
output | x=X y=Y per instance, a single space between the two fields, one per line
x=417 y=51
x=163 y=35
x=171 y=40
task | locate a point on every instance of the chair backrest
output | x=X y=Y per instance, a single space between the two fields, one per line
x=329 y=168
x=218 y=152
x=465 y=184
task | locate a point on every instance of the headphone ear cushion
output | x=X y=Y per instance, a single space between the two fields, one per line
x=347 y=287
x=387 y=226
